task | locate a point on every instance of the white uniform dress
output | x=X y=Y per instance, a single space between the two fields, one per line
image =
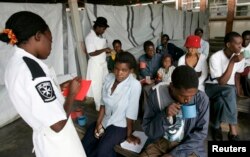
x=40 y=103
x=97 y=66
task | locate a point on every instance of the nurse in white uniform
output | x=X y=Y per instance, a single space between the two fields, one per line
x=34 y=93
x=97 y=69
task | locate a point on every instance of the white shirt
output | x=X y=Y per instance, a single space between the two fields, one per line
x=204 y=48
x=25 y=96
x=97 y=66
x=201 y=66
x=40 y=103
x=218 y=64
x=123 y=103
x=93 y=43
x=166 y=77
x=247 y=60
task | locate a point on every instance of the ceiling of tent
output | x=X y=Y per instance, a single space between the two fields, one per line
x=81 y=2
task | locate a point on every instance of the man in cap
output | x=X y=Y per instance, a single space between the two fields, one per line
x=97 y=48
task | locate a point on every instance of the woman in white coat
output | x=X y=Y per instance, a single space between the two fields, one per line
x=97 y=68
x=33 y=91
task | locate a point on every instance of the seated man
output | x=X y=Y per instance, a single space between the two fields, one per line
x=149 y=65
x=169 y=48
x=163 y=121
x=220 y=88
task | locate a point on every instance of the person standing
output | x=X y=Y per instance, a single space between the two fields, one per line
x=34 y=92
x=97 y=68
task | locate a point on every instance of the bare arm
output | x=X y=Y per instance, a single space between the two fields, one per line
x=226 y=75
x=97 y=52
x=99 y=126
x=130 y=137
x=238 y=85
x=74 y=88
x=100 y=115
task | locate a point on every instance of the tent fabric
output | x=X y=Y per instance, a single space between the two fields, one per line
x=71 y=64
x=173 y=23
x=133 y=25
x=8 y=112
x=52 y=14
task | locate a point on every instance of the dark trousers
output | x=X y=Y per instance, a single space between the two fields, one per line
x=144 y=98
x=223 y=104
x=105 y=145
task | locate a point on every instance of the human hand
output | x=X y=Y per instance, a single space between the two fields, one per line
x=64 y=85
x=237 y=58
x=198 y=74
x=159 y=76
x=133 y=139
x=108 y=50
x=148 y=81
x=167 y=155
x=99 y=131
x=173 y=109
x=74 y=86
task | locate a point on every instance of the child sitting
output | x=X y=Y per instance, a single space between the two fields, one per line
x=165 y=72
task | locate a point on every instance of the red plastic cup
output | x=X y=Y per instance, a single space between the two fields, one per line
x=79 y=112
x=73 y=116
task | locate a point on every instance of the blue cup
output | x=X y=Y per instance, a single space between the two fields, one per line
x=82 y=120
x=188 y=110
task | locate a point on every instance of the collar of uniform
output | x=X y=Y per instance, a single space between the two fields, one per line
x=22 y=52
x=120 y=87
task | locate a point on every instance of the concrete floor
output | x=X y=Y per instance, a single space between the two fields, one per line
x=16 y=138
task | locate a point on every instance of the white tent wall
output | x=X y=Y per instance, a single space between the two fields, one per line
x=8 y=112
x=52 y=14
x=173 y=23
x=133 y=25
x=192 y=20
x=70 y=50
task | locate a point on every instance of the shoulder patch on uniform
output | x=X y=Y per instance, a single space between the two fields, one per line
x=45 y=90
x=35 y=68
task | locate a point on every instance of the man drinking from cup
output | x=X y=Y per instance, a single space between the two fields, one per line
x=172 y=133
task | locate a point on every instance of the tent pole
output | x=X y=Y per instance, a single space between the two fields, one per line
x=80 y=47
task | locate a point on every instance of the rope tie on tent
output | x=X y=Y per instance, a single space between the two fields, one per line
x=11 y=36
